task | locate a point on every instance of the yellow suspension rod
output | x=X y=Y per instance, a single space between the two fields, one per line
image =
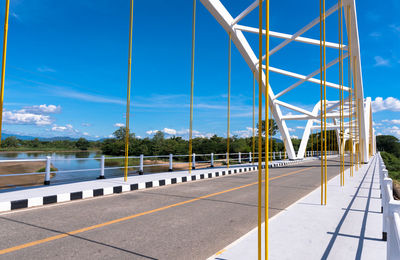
x=351 y=144
x=3 y=64
x=229 y=99
x=192 y=86
x=260 y=55
x=128 y=96
x=341 y=151
x=267 y=125
x=324 y=52
x=254 y=105
x=321 y=96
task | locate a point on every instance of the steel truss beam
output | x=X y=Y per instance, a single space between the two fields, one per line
x=230 y=25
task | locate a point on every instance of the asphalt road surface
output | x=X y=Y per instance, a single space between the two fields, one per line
x=185 y=221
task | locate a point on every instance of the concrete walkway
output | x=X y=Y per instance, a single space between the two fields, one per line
x=348 y=227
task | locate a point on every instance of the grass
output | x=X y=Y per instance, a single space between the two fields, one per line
x=392 y=164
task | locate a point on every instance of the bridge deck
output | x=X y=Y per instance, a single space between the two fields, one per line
x=184 y=221
x=349 y=227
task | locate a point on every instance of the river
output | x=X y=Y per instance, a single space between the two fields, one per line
x=62 y=161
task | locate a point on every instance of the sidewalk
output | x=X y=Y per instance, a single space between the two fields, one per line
x=348 y=227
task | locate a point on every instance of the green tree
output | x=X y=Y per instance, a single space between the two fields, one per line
x=121 y=132
x=10 y=141
x=82 y=144
x=388 y=143
x=273 y=127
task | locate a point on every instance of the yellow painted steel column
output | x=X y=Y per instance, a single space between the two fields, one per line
x=260 y=54
x=229 y=99
x=325 y=161
x=267 y=125
x=341 y=108
x=321 y=98
x=3 y=64
x=351 y=143
x=254 y=105
x=192 y=86
x=128 y=96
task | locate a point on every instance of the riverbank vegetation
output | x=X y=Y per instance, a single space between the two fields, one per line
x=390 y=151
x=13 y=144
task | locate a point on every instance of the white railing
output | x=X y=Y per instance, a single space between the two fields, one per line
x=167 y=160
x=391 y=213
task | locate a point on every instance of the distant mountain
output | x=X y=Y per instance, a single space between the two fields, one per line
x=27 y=137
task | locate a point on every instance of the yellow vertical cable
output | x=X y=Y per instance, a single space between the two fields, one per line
x=254 y=105
x=229 y=98
x=321 y=98
x=325 y=162
x=260 y=54
x=192 y=86
x=351 y=145
x=341 y=93
x=267 y=125
x=3 y=64
x=342 y=83
x=356 y=114
x=128 y=96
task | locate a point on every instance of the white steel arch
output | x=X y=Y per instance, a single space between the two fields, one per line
x=232 y=26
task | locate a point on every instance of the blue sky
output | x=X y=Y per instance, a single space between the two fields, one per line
x=67 y=66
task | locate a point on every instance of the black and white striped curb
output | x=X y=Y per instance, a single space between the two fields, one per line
x=63 y=197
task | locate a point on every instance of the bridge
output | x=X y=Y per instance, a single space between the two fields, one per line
x=300 y=203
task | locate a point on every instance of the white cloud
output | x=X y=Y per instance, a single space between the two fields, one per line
x=248 y=132
x=151 y=132
x=381 y=62
x=86 y=134
x=45 y=69
x=42 y=109
x=25 y=118
x=390 y=103
x=67 y=128
x=294 y=136
x=183 y=133
x=396 y=28
x=300 y=127
x=169 y=131
x=86 y=124
x=393 y=121
x=119 y=125
x=375 y=34
x=16 y=16
x=291 y=129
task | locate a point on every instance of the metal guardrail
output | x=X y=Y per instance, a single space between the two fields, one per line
x=391 y=213
x=234 y=158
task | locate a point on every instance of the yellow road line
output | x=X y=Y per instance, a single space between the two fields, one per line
x=48 y=239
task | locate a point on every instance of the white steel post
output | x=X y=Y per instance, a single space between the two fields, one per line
x=141 y=165
x=102 y=164
x=212 y=159
x=250 y=159
x=240 y=157
x=170 y=169
x=193 y=161
x=48 y=169
x=273 y=155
